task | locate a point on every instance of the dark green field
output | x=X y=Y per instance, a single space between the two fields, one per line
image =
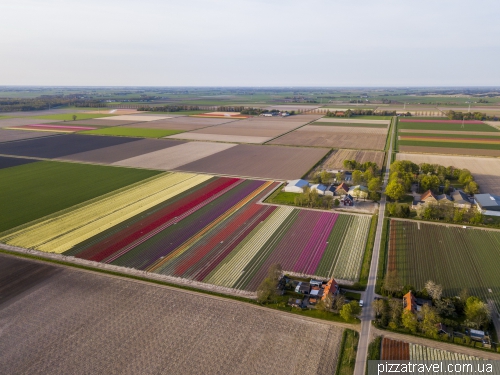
x=444 y=126
x=69 y=116
x=133 y=132
x=34 y=190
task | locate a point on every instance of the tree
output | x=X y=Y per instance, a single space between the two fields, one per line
x=325 y=304
x=374 y=196
x=395 y=311
x=275 y=272
x=429 y=321
x=471 y=188
x=357 y=177
x=392 y=283
x=266 y=290
x=378 y=307
x=350 y=310
x=328 y=201
x=477 y=312
x=336 y=202
x=325 y=177
x=409 y=321
x=434 y=290
x=338 y=302
x=339 y=176
x=374 y=184
x=369 y=174
x=346 y=312
x=430 y=183
x=395 y=190
x=445 y=307
x=74 y=117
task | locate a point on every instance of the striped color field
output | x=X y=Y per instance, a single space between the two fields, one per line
x=203 y=228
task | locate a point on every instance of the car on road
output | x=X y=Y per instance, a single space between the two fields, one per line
x=360 y=303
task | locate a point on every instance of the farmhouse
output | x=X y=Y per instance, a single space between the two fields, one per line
x=296 y=186
x=342 y=189
x=358 y=191
x=347 y=200
x=488 y=204
x=460 y=199
x=430 y=197
x=413 y=304
x=331 y=289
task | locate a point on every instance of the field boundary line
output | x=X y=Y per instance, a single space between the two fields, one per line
x=446 y=224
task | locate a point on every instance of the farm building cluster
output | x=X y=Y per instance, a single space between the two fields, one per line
x=345 y=193
x=488 y=204
x=314 y=291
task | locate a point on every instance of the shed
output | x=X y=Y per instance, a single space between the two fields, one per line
x=359 y=191
x=460 y=199
x=321 y=189
x=487 y=202
x=347 y=200
x=295 y=186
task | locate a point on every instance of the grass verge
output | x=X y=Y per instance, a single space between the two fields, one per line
x=367 y=258
x=382 y=260
x=348 y=349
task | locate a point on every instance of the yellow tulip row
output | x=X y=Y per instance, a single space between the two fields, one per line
x=61 y=233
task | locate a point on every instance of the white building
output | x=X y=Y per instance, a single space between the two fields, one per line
x=295 y=186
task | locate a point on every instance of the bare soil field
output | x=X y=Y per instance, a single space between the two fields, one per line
x=335 y=136
x=6 y=123
x=184 y=123
x=446 y=132
x=273 y=162
x=61 y=145
x=96 y=122
x=137 y=118
x=129 y=150
x=17 y=135
x=95 y=324
x=354 y=121
x=486 y=171
x=449 y=150
x=336 y=159
x=219 y=138
x=175 y=156
x=116 y=111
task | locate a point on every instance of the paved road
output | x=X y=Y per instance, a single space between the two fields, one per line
x=367 y=313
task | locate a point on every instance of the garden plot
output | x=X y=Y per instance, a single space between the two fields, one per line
x=158 y=330
x=18 y=135
x=486 y=171
x=336 y=159
x=183 y=123
x=7 y=123
x=137 y=118
x=335 y=136
x=55 y=147
x=174 y=157
x=112 y=154
x=273 y=162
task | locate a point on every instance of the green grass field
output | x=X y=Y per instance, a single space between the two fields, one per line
x=282 y=197
x=133 y=132
x=350 y=124
x=34 y=190
x=69 y=116
x=443 y=126
x=466 y=144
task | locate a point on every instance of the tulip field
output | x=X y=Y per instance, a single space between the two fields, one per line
x=452 y=256
x=401 y=351
x=203 y=228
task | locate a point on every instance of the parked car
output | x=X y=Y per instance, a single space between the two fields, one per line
x=360 y=303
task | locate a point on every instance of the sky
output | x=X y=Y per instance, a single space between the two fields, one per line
x=250 y=42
